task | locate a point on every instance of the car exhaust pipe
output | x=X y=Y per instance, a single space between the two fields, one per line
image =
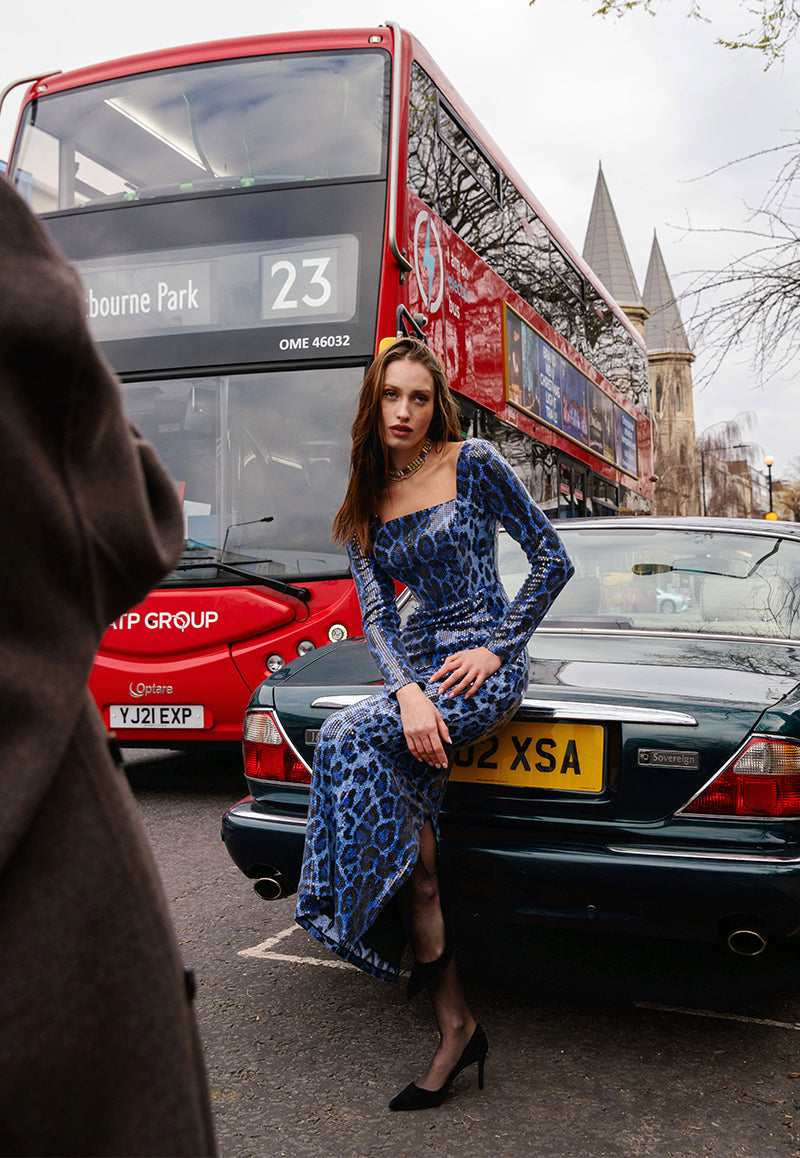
x=271 y=888
x=747 y=943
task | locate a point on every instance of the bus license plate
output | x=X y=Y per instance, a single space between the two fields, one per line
x=526 y=754
x=155 y=716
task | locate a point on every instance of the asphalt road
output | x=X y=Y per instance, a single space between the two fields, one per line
x=599 y=1047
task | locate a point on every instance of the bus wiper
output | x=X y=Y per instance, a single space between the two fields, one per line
x=301 y=593
x=248 y=523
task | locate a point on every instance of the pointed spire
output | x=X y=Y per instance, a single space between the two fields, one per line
x=664 y=328
x=604 y=249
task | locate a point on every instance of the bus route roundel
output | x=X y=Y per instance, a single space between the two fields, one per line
x=428 y=261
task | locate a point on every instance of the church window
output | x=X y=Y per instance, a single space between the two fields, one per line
x=658 y=395
x=677 y=398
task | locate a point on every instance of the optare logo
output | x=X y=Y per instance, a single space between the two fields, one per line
x=139 y=690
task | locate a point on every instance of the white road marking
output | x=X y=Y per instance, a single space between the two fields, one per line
x=721 y=1016
x=265 y=952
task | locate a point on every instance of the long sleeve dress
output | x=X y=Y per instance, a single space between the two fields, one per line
x=370 y=797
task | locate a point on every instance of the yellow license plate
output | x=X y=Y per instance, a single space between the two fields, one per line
x=564 y=757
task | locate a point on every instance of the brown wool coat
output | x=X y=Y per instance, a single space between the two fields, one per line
x=99 y=1052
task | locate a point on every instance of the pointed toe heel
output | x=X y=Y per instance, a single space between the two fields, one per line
x=414 y=1097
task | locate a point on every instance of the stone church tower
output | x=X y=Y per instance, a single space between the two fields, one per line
x=675 y=451
x=604 y=251
x=655 y=315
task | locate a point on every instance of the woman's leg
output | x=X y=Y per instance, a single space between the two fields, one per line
x=427 y=933
x=456 y=1026
x=425 y=920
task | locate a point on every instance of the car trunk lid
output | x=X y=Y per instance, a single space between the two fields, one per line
x=621 y=727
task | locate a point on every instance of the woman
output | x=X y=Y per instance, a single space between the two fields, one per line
x=422 y=507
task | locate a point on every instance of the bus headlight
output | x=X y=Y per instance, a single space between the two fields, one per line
x=305 y=646
x=274 y=662
x=337 y=632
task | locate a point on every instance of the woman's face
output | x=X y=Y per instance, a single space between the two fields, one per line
x=406 y=406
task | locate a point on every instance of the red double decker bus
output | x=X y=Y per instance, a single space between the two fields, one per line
x=250 y=219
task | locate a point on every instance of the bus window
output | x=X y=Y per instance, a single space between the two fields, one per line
x=422 y=136
x=266 y=120
x=469 y=189
x=525 y=244
x=456 y=137
x=266 y=493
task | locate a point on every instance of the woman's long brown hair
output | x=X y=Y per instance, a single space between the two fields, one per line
x=369 y=460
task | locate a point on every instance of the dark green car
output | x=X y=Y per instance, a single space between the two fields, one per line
x=650 y=780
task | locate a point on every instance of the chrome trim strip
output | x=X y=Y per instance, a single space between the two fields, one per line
x=394 y=147
x=659 y=633
x=246 y=810
x=727 y=856
x=578 y=710
x=559 y=710
x=336 y=702
x=710 y=524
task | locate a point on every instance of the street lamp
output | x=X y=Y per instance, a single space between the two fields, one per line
x=768 y=461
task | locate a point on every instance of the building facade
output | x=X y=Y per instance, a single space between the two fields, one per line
x=671 y=391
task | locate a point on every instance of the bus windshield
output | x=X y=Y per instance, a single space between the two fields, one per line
x=260 y=462
x=223 y=125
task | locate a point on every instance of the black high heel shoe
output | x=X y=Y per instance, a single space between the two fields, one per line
x=414 y=1097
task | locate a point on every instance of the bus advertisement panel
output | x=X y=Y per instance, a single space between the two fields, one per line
x=250 y=219
x=542 y=383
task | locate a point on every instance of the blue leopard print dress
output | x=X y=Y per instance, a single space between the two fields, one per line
x=369 y=795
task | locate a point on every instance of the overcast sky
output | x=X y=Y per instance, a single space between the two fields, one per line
x=560 y=90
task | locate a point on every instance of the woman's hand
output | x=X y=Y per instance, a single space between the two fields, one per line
x=465 y=671
x=423 y=726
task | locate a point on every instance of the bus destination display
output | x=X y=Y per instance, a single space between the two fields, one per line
x=222 y=287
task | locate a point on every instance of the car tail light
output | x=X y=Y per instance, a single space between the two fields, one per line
x=763 y=780
x=267 y=756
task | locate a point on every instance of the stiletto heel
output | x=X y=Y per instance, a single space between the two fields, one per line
x=414 y=1097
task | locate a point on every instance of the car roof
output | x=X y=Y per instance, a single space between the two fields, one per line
x=771 y=527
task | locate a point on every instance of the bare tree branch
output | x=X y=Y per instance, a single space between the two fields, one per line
x=752 y=304
x=776 y=23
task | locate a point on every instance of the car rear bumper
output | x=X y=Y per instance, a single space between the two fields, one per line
x=261 y=840
x=505 y=875
x=663 y=893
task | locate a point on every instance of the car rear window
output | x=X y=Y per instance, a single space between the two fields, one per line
x=666 y=579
